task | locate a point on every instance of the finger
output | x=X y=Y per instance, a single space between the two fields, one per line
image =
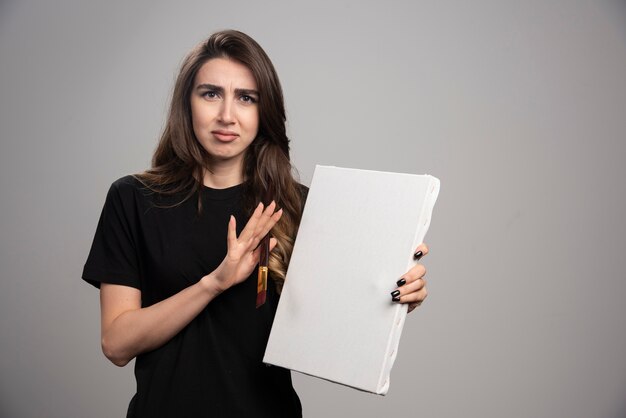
x=416 y=272
x=248 y=230
x=273 y=220
x=407 y=289
x=266 y=226
x=420 y=251
x=265 y=217
x=415 y=297
x=262 y=233
x=232 y=232
x=256 y=255
x=262 y=227
x=273 y=242
x=253 y=244
x=269 y=210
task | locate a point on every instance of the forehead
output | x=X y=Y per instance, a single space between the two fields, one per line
x=227 y=73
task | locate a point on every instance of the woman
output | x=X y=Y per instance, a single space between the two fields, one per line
x=174 y=261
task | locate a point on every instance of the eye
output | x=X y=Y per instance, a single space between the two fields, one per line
x=248 y=99
x=210 y=94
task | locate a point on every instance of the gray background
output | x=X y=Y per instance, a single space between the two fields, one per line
x=518 y=107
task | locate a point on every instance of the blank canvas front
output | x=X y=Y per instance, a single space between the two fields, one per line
x=335 y=319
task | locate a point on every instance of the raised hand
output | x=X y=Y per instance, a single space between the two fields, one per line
x=243 y=254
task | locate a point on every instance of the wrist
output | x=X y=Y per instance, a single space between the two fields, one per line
x=211 y=285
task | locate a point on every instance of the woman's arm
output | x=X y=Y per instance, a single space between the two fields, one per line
x=127 y=329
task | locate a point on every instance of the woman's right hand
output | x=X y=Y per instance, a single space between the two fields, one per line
x=243 y=250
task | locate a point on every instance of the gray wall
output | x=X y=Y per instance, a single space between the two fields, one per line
x=518 y=107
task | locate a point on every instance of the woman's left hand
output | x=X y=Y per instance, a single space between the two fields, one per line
x=412 y=285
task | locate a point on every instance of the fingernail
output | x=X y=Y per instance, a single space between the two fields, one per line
x=401 y=282
x=395 y=299
x=395 y=293
x=418 y=255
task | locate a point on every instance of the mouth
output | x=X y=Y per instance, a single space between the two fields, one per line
x=224 y=135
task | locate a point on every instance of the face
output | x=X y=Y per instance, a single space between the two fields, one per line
x=224 y=110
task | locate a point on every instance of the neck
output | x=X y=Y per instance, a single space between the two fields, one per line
x=223 y=174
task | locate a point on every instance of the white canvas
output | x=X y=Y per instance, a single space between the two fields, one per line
x=335 y=319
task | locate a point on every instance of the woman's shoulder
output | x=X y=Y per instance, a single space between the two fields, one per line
x=141 y=191
x=128 y=182
x=131 y=190
x=128 y=186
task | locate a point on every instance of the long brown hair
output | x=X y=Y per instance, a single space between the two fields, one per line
x=179 y=161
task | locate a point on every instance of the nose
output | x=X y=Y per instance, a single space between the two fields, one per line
x=226 y=114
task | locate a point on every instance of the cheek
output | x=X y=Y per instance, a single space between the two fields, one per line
x=195 y=120
x=200 y=118
x=252 y=122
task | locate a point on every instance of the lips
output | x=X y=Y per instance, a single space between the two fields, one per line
x=224 y=135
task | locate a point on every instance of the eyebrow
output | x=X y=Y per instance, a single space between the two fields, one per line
x=220 y=89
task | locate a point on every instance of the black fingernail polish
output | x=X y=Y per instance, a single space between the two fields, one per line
x=395 y=299
x=395 y=293
x=418 y=255
x=401 y=282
